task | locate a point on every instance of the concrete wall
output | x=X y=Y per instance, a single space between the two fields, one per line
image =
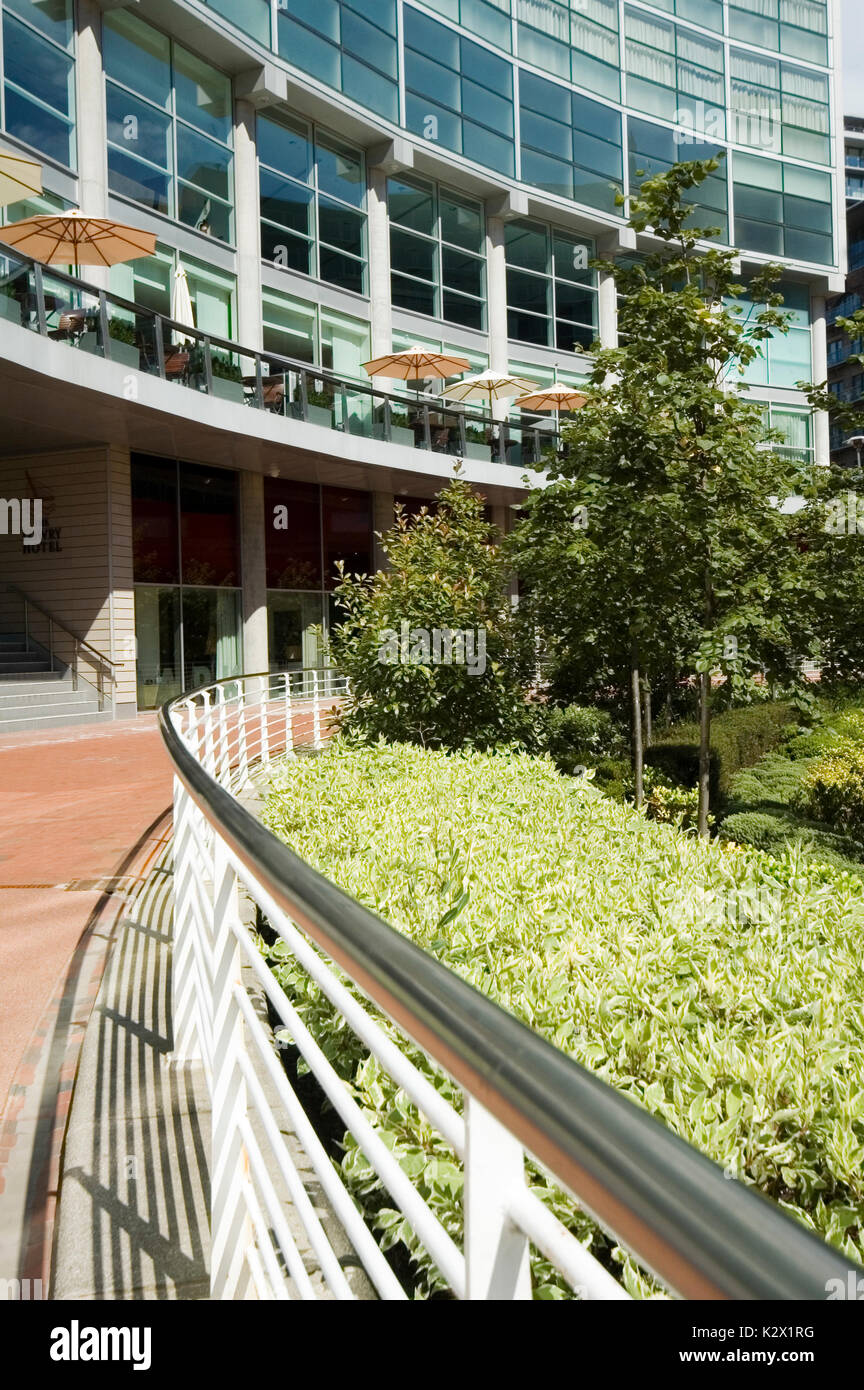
x=82 y=574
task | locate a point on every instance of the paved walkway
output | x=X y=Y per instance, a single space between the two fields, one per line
x=82 y=817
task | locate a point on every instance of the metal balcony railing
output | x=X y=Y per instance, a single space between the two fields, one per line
x=700 y=1234
x=68 y=310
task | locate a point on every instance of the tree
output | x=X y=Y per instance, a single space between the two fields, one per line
x=687 y=559
x=430 y=644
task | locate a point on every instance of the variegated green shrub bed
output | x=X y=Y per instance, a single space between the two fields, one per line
x=721 y=989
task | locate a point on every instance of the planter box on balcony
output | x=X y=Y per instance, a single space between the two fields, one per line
x=126 y=354
x=398 y=435
x=228 y=390
x=478 y=451
x=320 y=415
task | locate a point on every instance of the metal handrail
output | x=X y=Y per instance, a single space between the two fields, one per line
x=499 y=435
x=98 y=660
x=700 y=1233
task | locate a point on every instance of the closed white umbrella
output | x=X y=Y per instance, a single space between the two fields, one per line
x=181 y=305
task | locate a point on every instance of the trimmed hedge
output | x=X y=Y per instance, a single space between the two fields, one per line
x=776 y=832
x=833 y=787
x=739 y=738
x=718 y=988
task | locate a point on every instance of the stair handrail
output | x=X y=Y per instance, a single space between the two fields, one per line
x=94 y=651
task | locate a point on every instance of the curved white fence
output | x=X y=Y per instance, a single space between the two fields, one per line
x=703 y=1236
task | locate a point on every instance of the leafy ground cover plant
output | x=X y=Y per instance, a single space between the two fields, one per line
x=717 y=987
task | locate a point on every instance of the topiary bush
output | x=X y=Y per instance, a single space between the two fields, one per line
x=739 y=738
x=776 y=833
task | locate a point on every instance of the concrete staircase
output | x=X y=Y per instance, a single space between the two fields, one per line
x=32 y=696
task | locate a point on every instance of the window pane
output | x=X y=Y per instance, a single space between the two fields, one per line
x=138 y=127
x=527 y=246
x=156 y=557
x=203 y=95
x=461 y=223
x=340 y=226
x=457 y=309
x=412 y=255
x=203 y=162
x=293 y=550
x=141 y=182
x=208 y=525
x=37 y=127
x=340 y=173
x=53 y=17
x=413 y=295
x=287 y=203
x=285 y=148
x=288 y=251
x=462 y=272
x=528 y=292
x=37 y=67
x=341 y=270
x=526 y=328
x=411 y=206
x=347 y=525
x=137 y=56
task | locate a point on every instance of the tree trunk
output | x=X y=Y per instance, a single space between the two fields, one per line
x=649 y=718
x=704 y=752
x=638 y=757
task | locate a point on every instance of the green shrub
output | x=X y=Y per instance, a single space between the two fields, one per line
x=577 y=735
x=122 y=331
x=775 y=833
x=774 y=781
x=739 y=738
x=833 y=787
x=634 y=949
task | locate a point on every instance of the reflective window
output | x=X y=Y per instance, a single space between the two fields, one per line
x=783 y=209
x=675 y=73
x=574 y=39
x=169 y=126
x=654 y=149
x=39 y=76
x=780 y=109
x=313 y=203
x=437 y=252
x=348 y=44
x=785 y=358
x=570 y=145
x=798 y=28
x=551 y=291
x=458 y=94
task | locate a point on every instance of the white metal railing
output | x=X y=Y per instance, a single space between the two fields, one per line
x=705 y=1237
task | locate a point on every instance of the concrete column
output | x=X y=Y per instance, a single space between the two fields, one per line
x=91 y=123
x=253 y=550
x=379 y=263
x=496 y=299
x=607 y=310
x=819 y=334
x=382 y=520
x=248 y=226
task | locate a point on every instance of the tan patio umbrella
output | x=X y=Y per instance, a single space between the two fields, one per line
x=417 y=364
x=488 y=386
x=73 y=238
x=558 y=397
x=19 y=178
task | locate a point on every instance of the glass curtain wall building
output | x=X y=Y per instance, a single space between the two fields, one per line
x=339 y=178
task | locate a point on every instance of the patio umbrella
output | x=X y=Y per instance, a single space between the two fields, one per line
x=417 y=364
x=19 y=178
x=73 y=238
x=181 y=305
x=488 y=386
x=557 y=398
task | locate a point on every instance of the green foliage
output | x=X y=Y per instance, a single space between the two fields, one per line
x=833 y=787
x=739 y=738
x=224 y=367
x=685 y=546
x=576 y=735
x=122 y=331
x=777 y=832
x=445 y=573
x=718 y=988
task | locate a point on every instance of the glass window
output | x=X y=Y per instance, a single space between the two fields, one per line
x=39 y=77
x=675 y=73
x=169 y=126
x=459 y=94
x=347 y=532
x=551 y=290
x=782 y=209
x=784 y=359
x=292 y=514
x=437 y=253
x=347 y=45
x=209 y=549
x=654 y=149
x=570 y=145
x=313 y=203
